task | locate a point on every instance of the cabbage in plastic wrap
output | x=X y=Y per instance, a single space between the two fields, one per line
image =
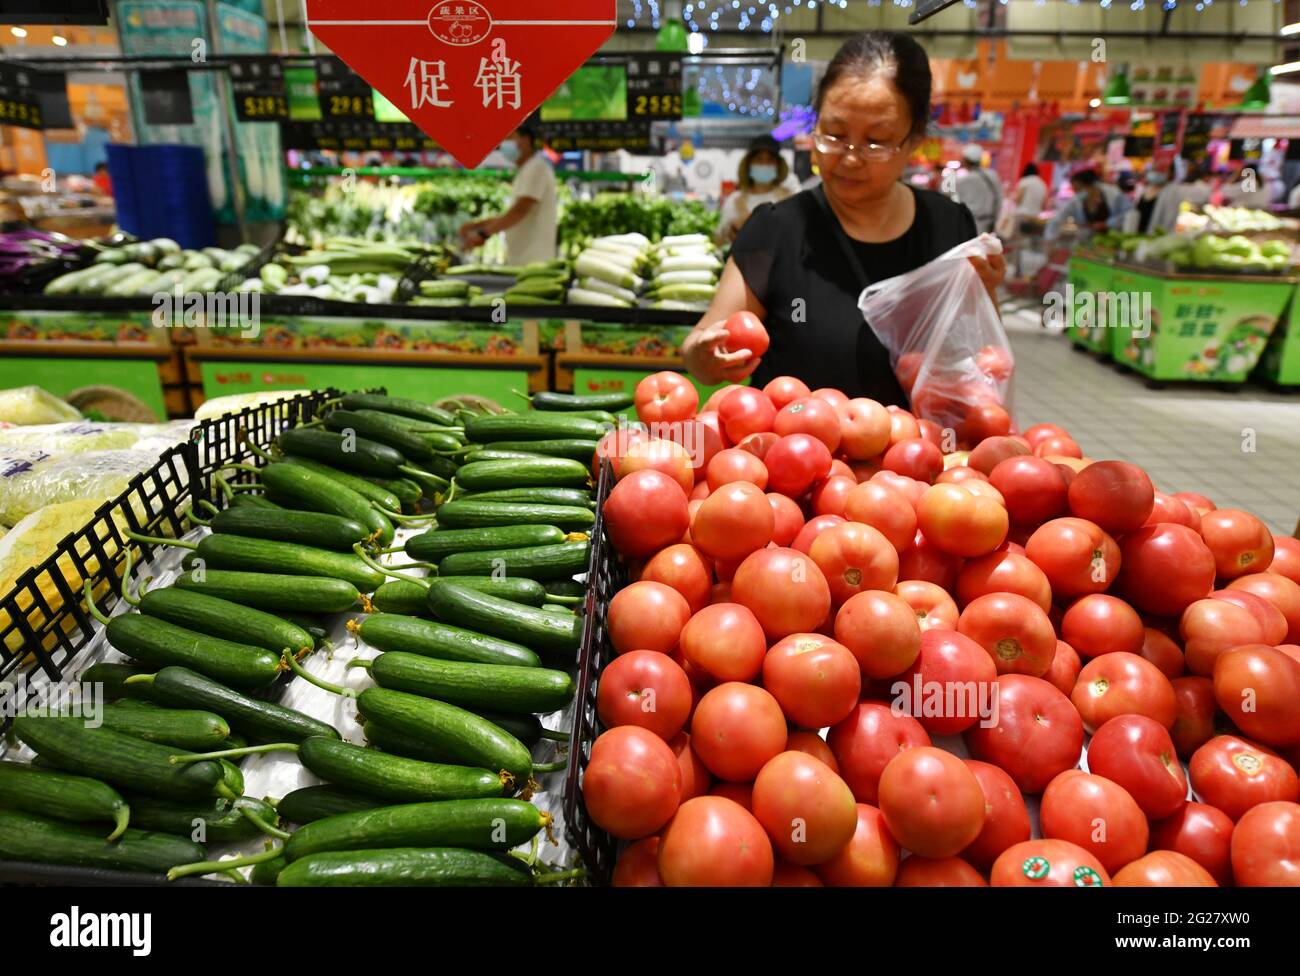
x=23 y=405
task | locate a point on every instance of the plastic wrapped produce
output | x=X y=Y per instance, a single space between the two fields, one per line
x=33 y=479
x=24 y=405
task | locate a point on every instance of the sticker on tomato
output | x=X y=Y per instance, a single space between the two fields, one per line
x=1086 y=877
x=1036 y=868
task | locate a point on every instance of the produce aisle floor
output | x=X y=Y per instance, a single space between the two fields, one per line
x=1242 y=449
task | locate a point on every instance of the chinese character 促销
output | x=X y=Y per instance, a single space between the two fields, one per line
x=428 y=83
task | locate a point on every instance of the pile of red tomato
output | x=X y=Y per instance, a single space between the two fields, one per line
x=849 y=654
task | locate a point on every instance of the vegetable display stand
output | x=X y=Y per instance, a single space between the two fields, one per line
x=1280 y=363
x=1089 y=274
x=1207 y=328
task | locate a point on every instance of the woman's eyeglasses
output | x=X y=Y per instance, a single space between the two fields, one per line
x=871 y=151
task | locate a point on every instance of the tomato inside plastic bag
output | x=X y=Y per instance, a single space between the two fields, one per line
x=946 y=342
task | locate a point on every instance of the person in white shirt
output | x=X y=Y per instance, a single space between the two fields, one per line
x=761 y=178
x=530 y=222
x=1031 y=193
x=1194 y=190
x=1248 y=187
x=979 y=189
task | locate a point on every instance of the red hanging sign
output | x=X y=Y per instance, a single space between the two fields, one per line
x=467 y=72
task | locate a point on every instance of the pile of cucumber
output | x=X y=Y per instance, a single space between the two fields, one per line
x=146 y=268
x=477 y=635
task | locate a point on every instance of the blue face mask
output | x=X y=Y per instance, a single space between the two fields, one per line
x=510 y=150
x=762 y=173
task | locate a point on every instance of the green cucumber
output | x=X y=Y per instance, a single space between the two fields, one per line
x=516 y=588
x=401 y=406
x=578 y=497
x=578 y=449
x=319 y=529
x=223 y=618
x=462 y=606
x=357 y=454
x=220 y=822
x=406 y=491
x=509 y=688
x=379 y=429
x=435 y=544
x=273 y=591
x=315 y=624
x=377 y=490
x=427 y=638
x=395 y=778
x=248 y=500
x=495 y=824
x=257 y=719
x=400 y=597
x=542 y=472
x=311 y=803
x=492 y=454
x=401 y=744
x=117 y=758
x=61 y=795
x=441 y=442
x=232 y=778
x=267 y=872
x=456 y=731
x=159 y=643
x=470 y=513
x=185 y=728
x=535 y=562
x=536 y=426
x=26 y=837
x=600 y=416
x=422 y=867
x=566 y=589
x=303 y=487
x=548 y=401
x=111 y=678
x=241 y=553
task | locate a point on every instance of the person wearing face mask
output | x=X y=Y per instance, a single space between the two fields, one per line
x=760 y=179
x=530 y=222
x=800 y=264
x=1153 y=183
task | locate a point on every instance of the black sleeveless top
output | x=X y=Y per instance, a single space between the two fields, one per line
x=792 y=256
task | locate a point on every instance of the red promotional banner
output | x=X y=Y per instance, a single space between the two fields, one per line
x=467 y=72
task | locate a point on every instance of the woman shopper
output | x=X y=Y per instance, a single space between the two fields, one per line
x=760 y=178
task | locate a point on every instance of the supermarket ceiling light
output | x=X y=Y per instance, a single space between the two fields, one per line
x=1095 y=103
x=1291 y=67
x=1290 y=29
x=695 y=43
x=18 y=31
x=59 y=40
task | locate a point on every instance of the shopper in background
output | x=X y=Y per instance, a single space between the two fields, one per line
x=1030 y=194
x=1095 y=206
x=979 y=189
x=103 y=183
x=760 y=178
x=800 y=264
x=1194 y=191
x=530 y=222
x=1247 y=187
x=1153 y=183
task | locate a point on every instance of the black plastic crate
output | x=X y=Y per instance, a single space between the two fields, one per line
x=605 y=577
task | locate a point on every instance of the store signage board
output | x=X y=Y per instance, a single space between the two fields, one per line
x=654 y=86
x=19 y=101
x=466 y=72
x=257 y=86
x=632 y=135
x=166 y=97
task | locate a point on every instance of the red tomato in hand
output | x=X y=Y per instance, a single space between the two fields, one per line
x=735 y=464
x=807 y=810
x=1266 y=846
x=1164 y=869
x=864 y=429
x=1240 y=542
x=1194 y=721
x=784 y=589
x=1006 y=819
x=666 y=396
x=647 y=689
x=1099 y=624
x=1200 y=832
x=736 y=729
x=786 y=389
x=1279 y=591
x=1065 y=668
x=638 y=866
x=916 y=458
x=686 y=570
x=1033 y=488
x=814 y=679
x=647 y=616
x=1258 y=687
x=1037 y=733
x=1234 y=775
x=1137 y=753
x=947 y=684
x=881 y=631
x=632 y=783
x=960 y=522
x=813 y=416
x=1004 y=572
x=854 y=557
x=869 y=859
x=795 y=463
x=725 y=642
x=932 y=803
x=884 y=509
x=933 y=606
x=713 y=842
x=1120 y=683
x=1098 y=815
x=1015 y=632
x=789 y=520
x=745 y=331
x=1115 y=495
x=811 y=529
x=644 y=512
x=745 y=411
x=867 y=740
x=734 y=521
x=1076 y=555
x=1164 y=568
x=1048 y=864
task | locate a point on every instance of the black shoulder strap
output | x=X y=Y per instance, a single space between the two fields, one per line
x=837 y=231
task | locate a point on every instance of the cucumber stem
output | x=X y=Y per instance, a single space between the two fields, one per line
x=224 y=487
x=157 y=541
x=389 y=551
x=126 y=578
x=251 y=486
x=553 y=734
x=522 y=396
x=554 y=876
x=195 y=519
x=258 y=452
x=209 y=867
x=240 y=466
x=419 y=473
x=143 y=588
x=359 y=663
x=193 y=757
x=120 y=818
x=95 y=612
x=310 y=678
x=140 y=679
x=451 y=492
x=553 y=767
x=399 y=517
x=261 y=824
x=385 y=570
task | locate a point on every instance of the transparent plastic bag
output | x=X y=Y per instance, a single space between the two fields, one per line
x=76 y=437
x=946 y=342
x=33 y=479
x=24 y=405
